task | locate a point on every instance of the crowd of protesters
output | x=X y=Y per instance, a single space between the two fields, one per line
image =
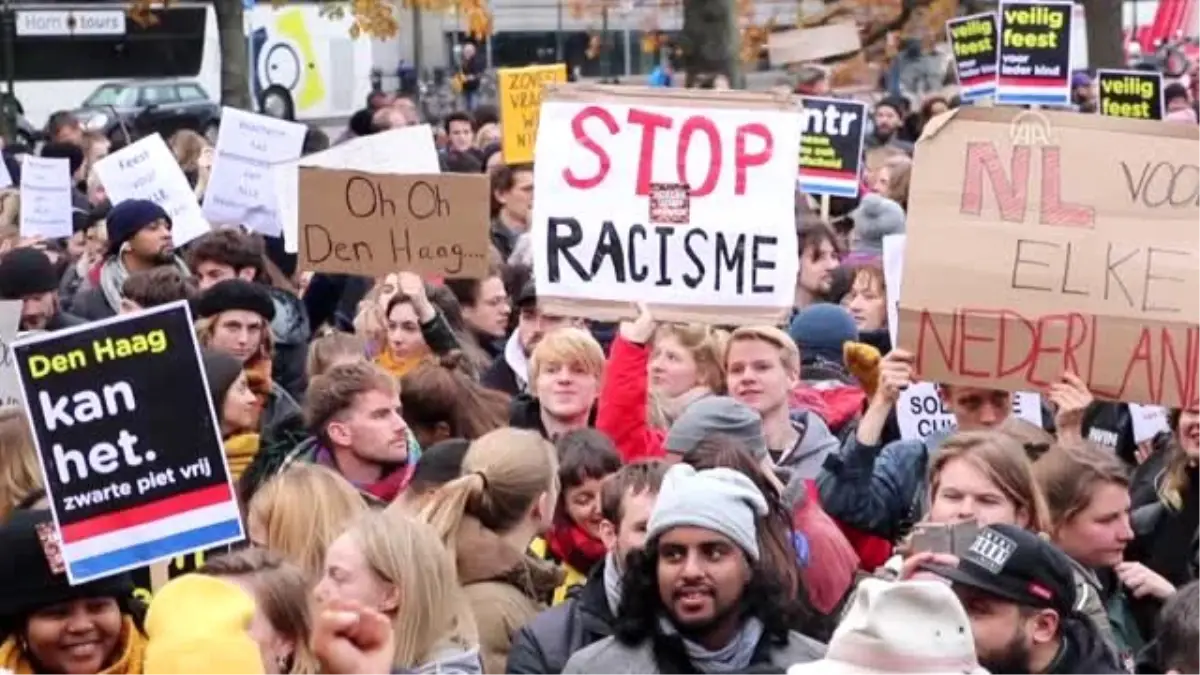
x=443 y=477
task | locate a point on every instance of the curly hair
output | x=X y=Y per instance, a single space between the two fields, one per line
x=641 y=605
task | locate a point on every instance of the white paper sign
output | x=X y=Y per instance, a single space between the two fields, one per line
x=401 y=151
x=613 y=221
x=920 y=410
x=893 y=267
x=1148 y=421
x=240 y=190
x=46 y=197
x=147 y=170
x=10 y=323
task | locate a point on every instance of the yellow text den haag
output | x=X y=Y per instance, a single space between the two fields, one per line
x=103 y=350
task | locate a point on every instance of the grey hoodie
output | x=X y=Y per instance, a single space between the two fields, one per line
x=452 y=661
x=817 y=442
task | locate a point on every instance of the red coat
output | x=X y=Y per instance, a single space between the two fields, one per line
x=622 y=408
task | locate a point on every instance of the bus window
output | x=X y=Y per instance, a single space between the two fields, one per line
x=171 y=47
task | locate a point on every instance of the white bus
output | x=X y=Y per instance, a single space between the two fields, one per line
x=303 y=65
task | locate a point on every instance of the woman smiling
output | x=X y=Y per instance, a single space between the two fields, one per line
x=50 y=626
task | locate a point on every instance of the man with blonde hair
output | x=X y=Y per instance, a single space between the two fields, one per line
x=762 y=367
x=565 y=371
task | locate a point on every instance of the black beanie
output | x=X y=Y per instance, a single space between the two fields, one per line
x=127 y=218
x=236 y=294
x=68 y=151
x=895 y=103
x=222 y=371
x=24 y=272
x=29 y=581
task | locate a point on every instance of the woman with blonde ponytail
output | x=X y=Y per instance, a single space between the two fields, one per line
x=487 y=518
x=392 y=564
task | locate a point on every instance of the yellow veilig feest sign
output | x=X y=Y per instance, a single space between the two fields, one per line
x=520 y=102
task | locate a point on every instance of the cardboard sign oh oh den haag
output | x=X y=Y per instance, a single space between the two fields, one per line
x=683 y=200
x=1040 y=242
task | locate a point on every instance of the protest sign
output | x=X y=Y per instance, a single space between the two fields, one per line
x=1069 y=242
x=354 y=222
x=240 y=190
x=10 y=323
x=893 y=269
x=400 y=151
x=831 y=143
x=127 y=440
x=920 y=410
x=146 y=169
x=973 y=42
x=596 y=248
x=804 y=45
x=1148 y=421
x=1035 y=53
x=520 y=102
x=1135 y=94
x=45 y=197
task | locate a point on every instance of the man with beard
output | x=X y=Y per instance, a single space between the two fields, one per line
x=698 y=599
x=1019 y=591
x=139 y=238
x=26 y=274
x=510 y=372
x=819 y=257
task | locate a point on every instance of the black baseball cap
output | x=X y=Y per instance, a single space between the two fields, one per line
x=1015 y=564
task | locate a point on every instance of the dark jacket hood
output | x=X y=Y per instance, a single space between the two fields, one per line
x=1085 y=651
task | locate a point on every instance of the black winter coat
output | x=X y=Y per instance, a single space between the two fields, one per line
x=545 y=644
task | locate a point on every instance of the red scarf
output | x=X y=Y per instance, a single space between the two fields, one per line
x=390 y=485
x=572 y=545
x=385 y=489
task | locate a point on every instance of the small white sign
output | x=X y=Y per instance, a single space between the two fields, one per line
x=46 y=197
x=920 y=410
x=401 y=151
x=147 y=170
x=240 y=190
x=79 y=22
x=1148 y=421
x=893 y=268
x=10 y=323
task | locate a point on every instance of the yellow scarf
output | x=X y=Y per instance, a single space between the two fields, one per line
x=398 y=367
x=132 y=644
x=240 y=450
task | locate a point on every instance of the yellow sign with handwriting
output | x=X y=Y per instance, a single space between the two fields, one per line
x=520 y=105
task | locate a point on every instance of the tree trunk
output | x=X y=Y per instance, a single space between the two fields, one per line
x=710 y=40
x=1105 y=37
x=235 y=60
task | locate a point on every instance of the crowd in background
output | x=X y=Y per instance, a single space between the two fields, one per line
x=436 y=475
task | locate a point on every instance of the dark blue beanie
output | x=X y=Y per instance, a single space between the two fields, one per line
x=820 y=330
x=127 y=218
